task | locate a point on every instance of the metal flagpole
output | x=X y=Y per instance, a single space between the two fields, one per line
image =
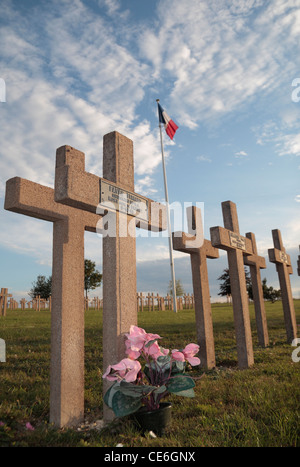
x=168 y=219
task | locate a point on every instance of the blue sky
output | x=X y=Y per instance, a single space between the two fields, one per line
x=224 y=71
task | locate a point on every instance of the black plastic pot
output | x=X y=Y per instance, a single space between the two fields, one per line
x=155 y=420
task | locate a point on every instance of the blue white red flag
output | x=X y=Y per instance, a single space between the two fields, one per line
x=168 y=123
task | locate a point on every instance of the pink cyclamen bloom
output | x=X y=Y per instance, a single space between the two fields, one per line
x=133 y=354
x=177 y=355
x=29 y=427
x=126 y=369
x=155 y=351
x=189 y=353
x=137 y=338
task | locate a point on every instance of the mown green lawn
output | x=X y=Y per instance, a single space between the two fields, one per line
x=255 y=407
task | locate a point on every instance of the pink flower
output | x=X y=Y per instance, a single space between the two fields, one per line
x=187 y=354
x=126 y=369
x=155 y=351
x=29 y=427
x=2 y=423
x=137 y=338
x=176 y=355
x=189 y=351
x=133 y=354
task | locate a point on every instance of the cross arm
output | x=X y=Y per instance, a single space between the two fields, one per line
x=32 y=199
x=279 y=256
x=183 y=242
x=227 y=240
x=254 y=260
x=80 y=189
x=35 y=200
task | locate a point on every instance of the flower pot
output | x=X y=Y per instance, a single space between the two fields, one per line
x=154 y=420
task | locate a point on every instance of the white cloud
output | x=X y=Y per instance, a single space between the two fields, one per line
x=241 y=154
x=203 y=159
x=71 y=89
x=284 y=134
x=209 y=50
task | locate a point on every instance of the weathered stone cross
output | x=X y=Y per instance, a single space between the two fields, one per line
x=229 y=239
x=257 y=263
x=282 y=260
x=199 y=249
x=67 y=315
x=115 y=192
x=3 y=301
x=23 y=303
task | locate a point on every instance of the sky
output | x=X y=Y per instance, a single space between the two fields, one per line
x=226 y=72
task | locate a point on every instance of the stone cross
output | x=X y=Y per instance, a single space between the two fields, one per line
x=86 y=191
x=37 y=302
x=199 y=250
x=229 y=239
x=282 y=260
x=23 y=303
x=3 y=301
x=256 y=263
x=67 y=314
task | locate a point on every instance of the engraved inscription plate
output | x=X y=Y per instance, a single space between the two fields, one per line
x=283 y=256
x=125 y=201
x=237 y=241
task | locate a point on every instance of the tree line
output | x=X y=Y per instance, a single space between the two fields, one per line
x=43 y=285
x=92 y=279
x=269 y=293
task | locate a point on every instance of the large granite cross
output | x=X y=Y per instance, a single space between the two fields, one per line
x=229 y=239
x=199 y=249
x=256 y=263
x=67 y=314
x=282 y=260
x=113 y=194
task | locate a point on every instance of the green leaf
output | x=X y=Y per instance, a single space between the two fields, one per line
x=180 y=383
x=150 y=342
x=163 y=360
x=123 y=405
x=110 y=393
x=133 y=390
x=178 y=367
x=187 y=393
x=159 y=391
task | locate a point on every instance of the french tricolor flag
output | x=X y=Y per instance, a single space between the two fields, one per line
x=169 y=125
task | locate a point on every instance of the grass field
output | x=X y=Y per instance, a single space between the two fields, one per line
x=255 y=407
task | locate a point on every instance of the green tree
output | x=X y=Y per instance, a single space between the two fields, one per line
x=225 y=287
x=42 y=287
x=179 y=288
x=269 y=292
x=92 y=277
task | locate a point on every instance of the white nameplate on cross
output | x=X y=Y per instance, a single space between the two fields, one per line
x=112 y=196
x=237 y=241
x=283 y=256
